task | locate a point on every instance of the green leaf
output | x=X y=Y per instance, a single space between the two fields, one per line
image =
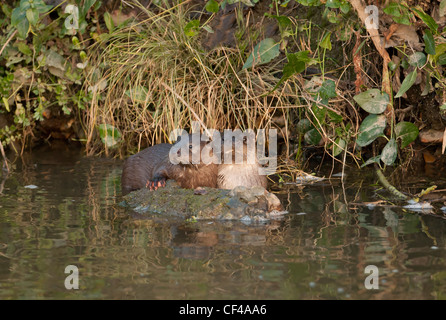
x=328 y=90
x=296 y=64
x=326 y=42
x=319 y=113
x=110 y=135
x=24 y=48
x=312 y=137
x=417 y=59
x=33 y=16
x=17 y=15
x=429 y=42
x=389 y=153
x=334 y=117
x=338 y=146
x=109 y=22
x=441 y=59
x=23 y=28
x=373 y=101
x=283 y=21
x=265 y=51
x=371 y=160
x=41 y=6
x=407 y=83
x=212 y=6
x=371 y=128
x=407 y=132
x=393 y=9
x=6 y=103
x=399 y=13
x=427 y=19
x=333 y=4
x=345 y=8
x=192 y=28
x=304 y=125
x=138 y=93
x=85 y=7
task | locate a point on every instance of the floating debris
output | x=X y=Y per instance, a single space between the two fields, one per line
x=418 y=206
x=31 y=186
x=307 y=178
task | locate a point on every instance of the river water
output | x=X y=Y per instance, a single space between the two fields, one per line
x=59 y=208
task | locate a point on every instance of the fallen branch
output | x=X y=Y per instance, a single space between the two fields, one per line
x=360 y=8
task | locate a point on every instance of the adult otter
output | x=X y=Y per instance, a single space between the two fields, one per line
x=152 y=167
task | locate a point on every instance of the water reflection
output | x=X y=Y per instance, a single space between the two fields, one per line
x=74 y=217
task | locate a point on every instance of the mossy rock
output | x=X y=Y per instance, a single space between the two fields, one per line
x=246 y=204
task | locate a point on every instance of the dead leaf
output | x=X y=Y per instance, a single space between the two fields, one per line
x=404 y=33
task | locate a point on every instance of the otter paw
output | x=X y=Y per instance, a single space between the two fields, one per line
x=156 y=183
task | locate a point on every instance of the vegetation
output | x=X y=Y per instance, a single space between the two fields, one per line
x=118 y=80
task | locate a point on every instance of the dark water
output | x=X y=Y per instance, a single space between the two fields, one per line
x=318 y=251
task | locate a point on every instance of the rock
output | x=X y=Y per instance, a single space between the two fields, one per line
x=244 y=204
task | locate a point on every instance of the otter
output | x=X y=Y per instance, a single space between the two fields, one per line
x=243 y=170
x=151 y=168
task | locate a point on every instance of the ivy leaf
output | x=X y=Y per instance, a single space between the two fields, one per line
x=312 y=137
x=371 y=128
x=192 y=28
x=407 y=132
x=212 y=6
x=328 y=90
x=407 y=83
x=371 y=160
x=304 y=125
x=417 y=59
x=338 y=146
x=265 y=51
x=296 y=64
x=389 y=153
x=373 y=101
x=283 y=21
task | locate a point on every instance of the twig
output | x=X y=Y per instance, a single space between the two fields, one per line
x=7 y=41
x=4 y=157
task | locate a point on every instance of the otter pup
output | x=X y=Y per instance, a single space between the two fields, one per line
x=152 y=166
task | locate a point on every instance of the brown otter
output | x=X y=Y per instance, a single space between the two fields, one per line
x=152 y=167
x=243 y=170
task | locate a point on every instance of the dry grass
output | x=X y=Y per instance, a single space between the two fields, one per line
x=182 y=83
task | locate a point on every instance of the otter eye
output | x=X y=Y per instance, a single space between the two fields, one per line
x=190 y=146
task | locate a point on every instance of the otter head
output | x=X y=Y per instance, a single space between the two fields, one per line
x=191 y=151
